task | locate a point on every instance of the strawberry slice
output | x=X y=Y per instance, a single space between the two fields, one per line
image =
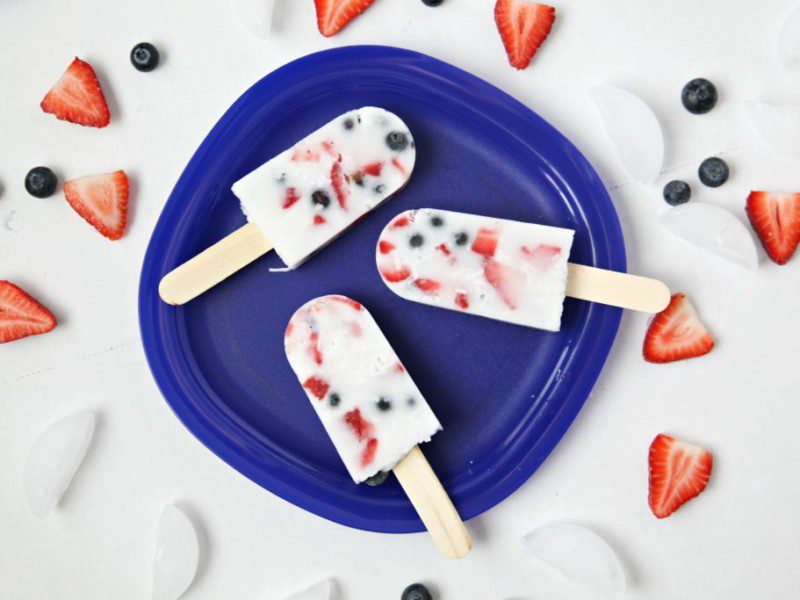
x=776 y=219
x=395 y=275
x=330 y=150
x=399 y=166
x=102 y=200
x=444 y=249
x=373 y=169
x=386 y=247
x=355 y=305
x=314 y=349
x=429 y=286
x=676 y=333
x=317 y=386
x=523 y=26
x=305 y=155
x=340 y=181
x=485 y=242
x=368 y=455
x=360 y=426
x=291 y=197
x=21 y=315
x=400 y=222
x=76 y=97
x=333 y=15
x=319 y=220
x=508 y=281
x=543 y=256
x=679 y=471
x=462 y=301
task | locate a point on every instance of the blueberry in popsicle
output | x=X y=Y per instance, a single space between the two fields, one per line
x=305 y=197
x=370 y=407
x=505 y=270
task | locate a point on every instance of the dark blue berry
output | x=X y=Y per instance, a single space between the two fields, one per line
x=334 y=399
x=379 y=189
x=397 y=140
x=320 y=198
x=699 y=96
x=144 y=57
x=416 y=240
x=437 y=221
x=677 y=192
x=384 y=404
x=348 y=123
x=411 y=401
x=416 y=591
x=377 y=479
x=713 y=172
x=432 y=2
x=461 y=238
x=40 y=182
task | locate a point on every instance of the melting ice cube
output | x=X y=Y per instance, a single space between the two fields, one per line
x=177 y=553
x=633 y=129
x=715 y=229
x=779 y=126
x=318 y=591
x=255 y=15
x=789 y=38
x=580 y=554
x=53 y=460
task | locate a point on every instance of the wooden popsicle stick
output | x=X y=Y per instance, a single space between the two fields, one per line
x=213 y=264
x=616 y=289
x=433 y=505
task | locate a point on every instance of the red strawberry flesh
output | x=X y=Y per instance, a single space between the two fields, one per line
x=333 y=15
x=679 y=471
x=102 y=200
x=676 y=333
x=523 y=26
x=21 y=315
x=76 y=97
x=775 y=217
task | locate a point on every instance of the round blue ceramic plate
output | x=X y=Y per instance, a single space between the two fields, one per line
x=505 y=394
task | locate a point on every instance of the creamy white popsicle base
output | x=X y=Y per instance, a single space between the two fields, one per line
x=308 y=194
x=496 y=268
x=368 y=403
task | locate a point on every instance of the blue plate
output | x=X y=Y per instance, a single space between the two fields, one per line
x=505 y=394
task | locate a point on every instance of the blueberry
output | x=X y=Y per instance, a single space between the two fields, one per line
x=437 y=221
x=384 y=404
x=40 y=182
x=699 y=96
x=713 y=172
x=144 y=57
x=377 y=479
x=358 y=177
x=397 y=140
x=416 y=240
x=416 y=591
x=677 y=192
x=411 y=401
x=432 y=2
x=334 y=399
x=348 y=123
x=461 y=238
x=379 y=189
x=320 y=198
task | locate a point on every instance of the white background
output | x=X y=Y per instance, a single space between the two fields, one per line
x=740 y=539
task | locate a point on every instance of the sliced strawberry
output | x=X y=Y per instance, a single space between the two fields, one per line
x=348 y=301
x=319 y=220
x=776 y=219
x=676 y=333
x=329 y=149
x=429 y=286
x=368 y=455
x=21 y=315
x=542 y=256
x=444 y=249
x=102 y=200
x=317 y=386
x=290 y=197
x=373 y=169
x=333 y=15
x=679 y=471
x=355 y=329
x=508 y=281
x=386 y=247
x=340 y=181
x=523 y=26
x=400 y=222
x=485 y=242
x=399 y=368
x=314 y=349
x=360 y=426
x=305 y=155
x=399 y=166
x=289 y=329
x=395 y=275
x=76 y=97
x=462 y=301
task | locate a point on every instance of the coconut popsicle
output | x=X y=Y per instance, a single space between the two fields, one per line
x=305 y=197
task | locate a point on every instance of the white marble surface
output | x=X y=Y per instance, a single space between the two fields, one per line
x=740 y=539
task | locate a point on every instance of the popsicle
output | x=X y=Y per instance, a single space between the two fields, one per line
x=370 y=407
x=306 y=196
x=501 y=269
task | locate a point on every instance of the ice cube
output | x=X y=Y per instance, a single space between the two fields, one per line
x=319 y=591
x=255 y=15
x=176 y=556
x=779 y=126
x=580 y=554
x=789 y=38
x=715 y=229
x=633 y=129
x=53 y=460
